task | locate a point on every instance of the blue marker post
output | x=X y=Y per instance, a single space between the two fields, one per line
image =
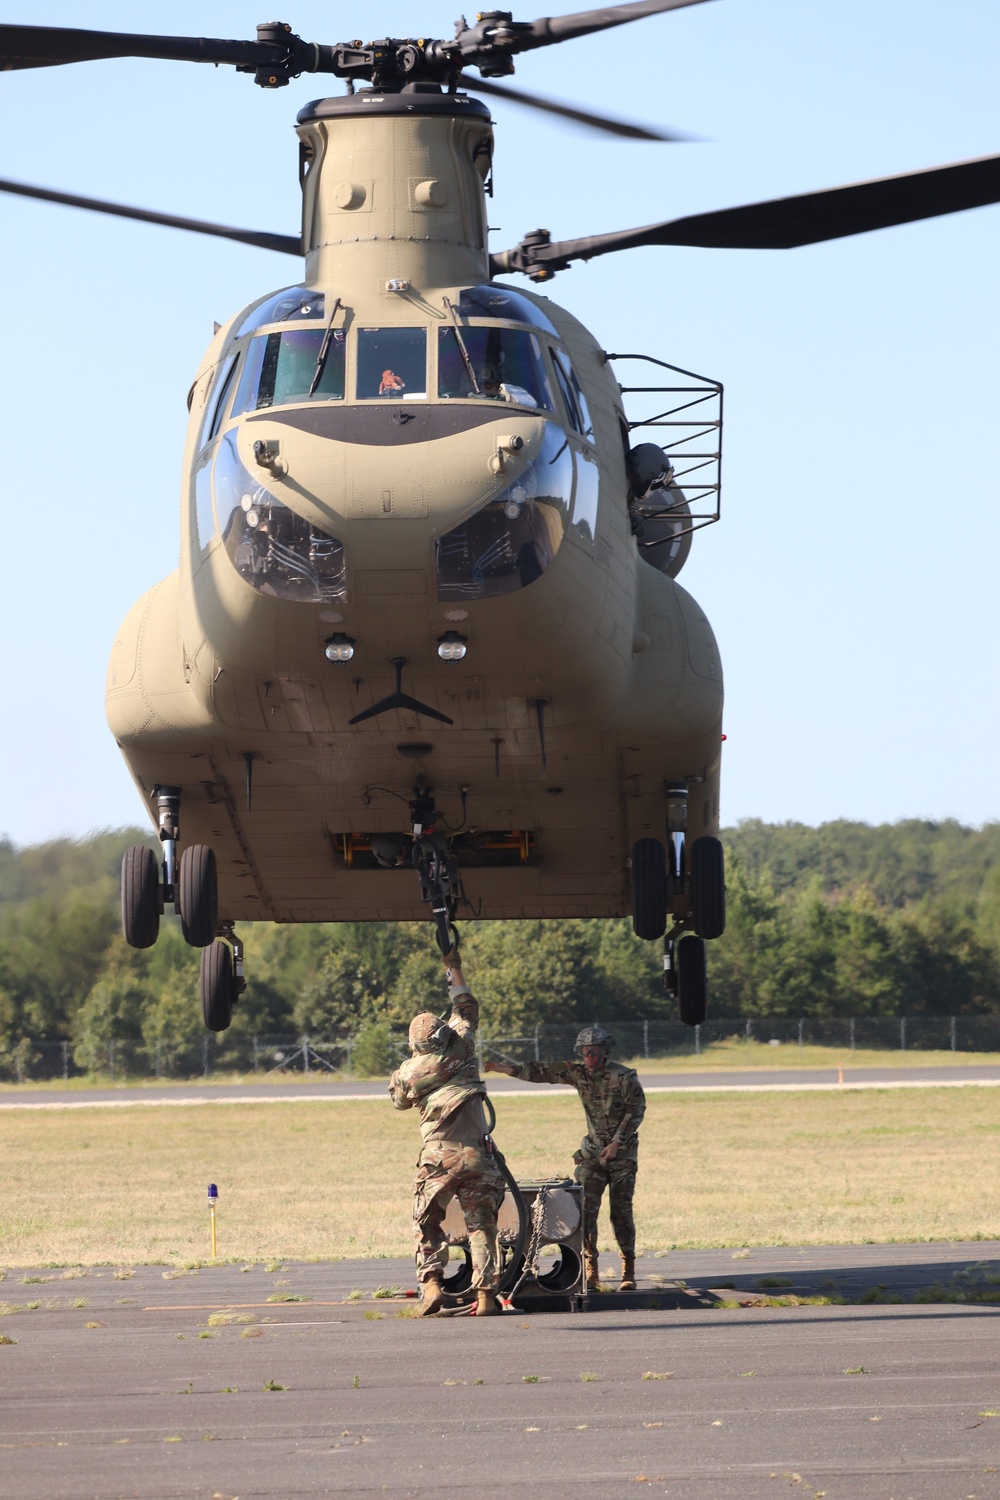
x=213 y=1198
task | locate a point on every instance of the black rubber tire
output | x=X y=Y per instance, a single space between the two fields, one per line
x=198 y=895
x=141 y=899
x=649 y=889
x=692 y=979
x=217 y=986
x=708 y=887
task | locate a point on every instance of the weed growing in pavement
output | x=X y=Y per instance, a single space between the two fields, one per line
x=272 y=1385
x=774 y=1281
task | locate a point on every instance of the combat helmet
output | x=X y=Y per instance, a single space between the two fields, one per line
x=594 y=1036
x=425 y=1034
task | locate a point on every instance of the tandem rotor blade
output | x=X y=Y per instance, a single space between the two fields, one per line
x=287 y=244
x=549 y=29
x=49 y=46
x=784 y=223
x=594 y=121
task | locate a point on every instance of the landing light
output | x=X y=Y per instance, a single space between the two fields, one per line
x=452 y=646
x=339 y=648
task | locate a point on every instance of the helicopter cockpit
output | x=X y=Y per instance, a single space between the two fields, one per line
x=493 y=344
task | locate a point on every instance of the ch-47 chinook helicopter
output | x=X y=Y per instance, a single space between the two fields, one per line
x=420 y=551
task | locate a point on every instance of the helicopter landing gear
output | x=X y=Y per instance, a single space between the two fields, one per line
x=142 y=898
x=649 y=888
x=221 y=978
x=190 y=882
x=440 y=883
x=708 y=887
x=692 y=979
x=198 y=895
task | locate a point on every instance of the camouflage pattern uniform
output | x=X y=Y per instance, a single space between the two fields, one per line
x=453 y=1163
x=614 y=1104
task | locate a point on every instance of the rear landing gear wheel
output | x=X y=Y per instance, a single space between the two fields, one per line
x=141 y=897
x=708 y=887
x=198 y=896
x=692 y=979
x=649 y=889
x=218 y=986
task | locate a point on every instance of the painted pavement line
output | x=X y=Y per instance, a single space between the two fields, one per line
x=532 y=1093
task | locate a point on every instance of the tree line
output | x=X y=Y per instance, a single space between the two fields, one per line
x=844 y=919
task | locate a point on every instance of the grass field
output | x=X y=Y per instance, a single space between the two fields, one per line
x=331 y=1179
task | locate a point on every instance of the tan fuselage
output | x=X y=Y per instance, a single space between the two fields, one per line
x=211 y=671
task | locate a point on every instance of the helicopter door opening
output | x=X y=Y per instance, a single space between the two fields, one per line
x=392 y=364
x=492 y=364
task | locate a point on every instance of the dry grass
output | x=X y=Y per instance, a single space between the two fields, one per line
x=317 y=1179
x=736 y=1054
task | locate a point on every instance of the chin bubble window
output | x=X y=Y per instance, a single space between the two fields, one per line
x=304 y=365
x=274 y=550
x=492 y=364
x=513 y=539
x=574 y=400
x=392 y=364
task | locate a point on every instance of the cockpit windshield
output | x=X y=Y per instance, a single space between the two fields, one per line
x=294 y=304
x=392 y=364
x=502 y=302
x=282 y=367
x=496 y=364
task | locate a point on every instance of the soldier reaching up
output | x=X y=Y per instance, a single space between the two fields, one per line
x=456 y=1161
x=614 y=1104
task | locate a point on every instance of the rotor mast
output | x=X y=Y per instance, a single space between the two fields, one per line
x=394 y=190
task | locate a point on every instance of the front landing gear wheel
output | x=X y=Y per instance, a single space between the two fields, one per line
x=141 y=897
x=218 y=986
x=649 y=889
x=708 y=887
x=198 y=897
x=692 y=979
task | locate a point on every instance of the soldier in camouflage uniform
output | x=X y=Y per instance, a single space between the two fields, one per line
x=442 y=1080
x=614 y=1104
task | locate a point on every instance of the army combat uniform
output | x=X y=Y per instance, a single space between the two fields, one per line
x=454 y=1162
x=614 y=1104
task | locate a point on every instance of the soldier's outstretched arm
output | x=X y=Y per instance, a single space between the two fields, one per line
x=539 y=1072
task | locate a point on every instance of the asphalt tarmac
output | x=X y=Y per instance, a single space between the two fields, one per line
x=118 y=1384
x=285 y=1086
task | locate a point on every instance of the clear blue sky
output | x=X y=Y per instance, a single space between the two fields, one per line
x=852 y=583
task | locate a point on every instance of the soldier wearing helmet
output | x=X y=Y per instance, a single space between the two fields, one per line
x=442 y=1080
x=614 y=1104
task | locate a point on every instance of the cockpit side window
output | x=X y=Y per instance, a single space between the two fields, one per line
x=216 y=405
x=494 y=364
x=572 y=393
x=282 y=367
x=392 y=364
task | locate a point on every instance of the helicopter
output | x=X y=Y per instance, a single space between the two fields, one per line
x=420 y=549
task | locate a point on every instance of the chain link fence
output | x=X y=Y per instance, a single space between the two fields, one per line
x=38 y=1061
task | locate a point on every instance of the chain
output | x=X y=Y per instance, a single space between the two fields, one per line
x=530 y=1267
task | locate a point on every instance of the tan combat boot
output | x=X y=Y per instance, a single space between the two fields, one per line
x=590 y=1268
x=432 y=1297
x=487 y=1305
x=628 y=1273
